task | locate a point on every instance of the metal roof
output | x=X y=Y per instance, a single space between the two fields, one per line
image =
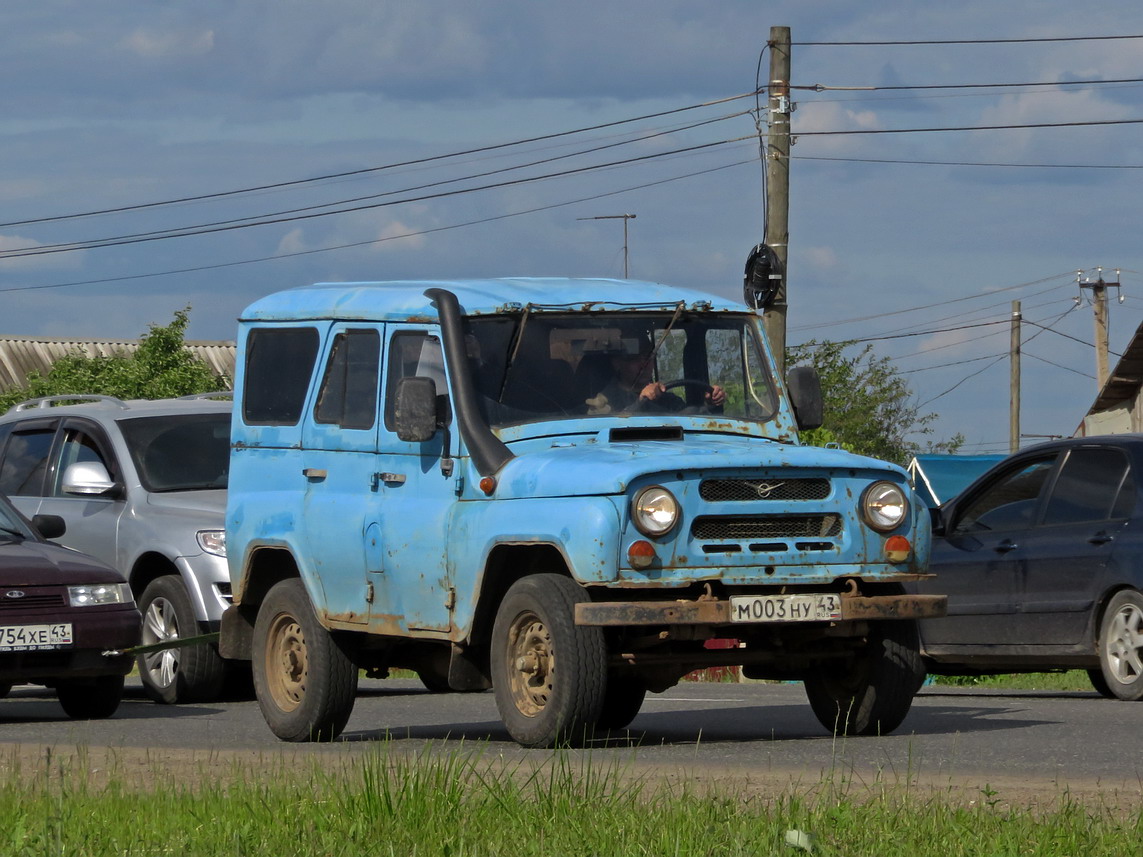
x=405 y=299
x=1125 y=379
x=20 y=355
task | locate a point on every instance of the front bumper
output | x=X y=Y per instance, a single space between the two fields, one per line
x=710 y=611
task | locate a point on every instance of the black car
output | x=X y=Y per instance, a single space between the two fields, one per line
x=1042 y=560
x=61 y=612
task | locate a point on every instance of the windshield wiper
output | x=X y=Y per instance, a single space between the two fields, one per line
x=13 y=534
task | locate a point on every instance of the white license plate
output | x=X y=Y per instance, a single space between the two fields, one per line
x=25 y=638
x=785 y=608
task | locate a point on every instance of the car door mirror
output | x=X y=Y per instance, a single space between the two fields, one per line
x=805 y=387
x=49 y=526
x=415 y=411
x=89 y=478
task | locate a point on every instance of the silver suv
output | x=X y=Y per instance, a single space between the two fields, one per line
x=142 y=486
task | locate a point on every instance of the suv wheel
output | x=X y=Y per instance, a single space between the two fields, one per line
x=541 y=704
x=91 y=699
x=188 y=674
x=306 y=684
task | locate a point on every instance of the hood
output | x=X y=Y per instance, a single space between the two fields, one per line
x=589 y=465
x=32 y=563
x=211 y=503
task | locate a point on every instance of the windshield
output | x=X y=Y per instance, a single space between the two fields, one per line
x=180 y=452
x=537 y=366
x=11 y=525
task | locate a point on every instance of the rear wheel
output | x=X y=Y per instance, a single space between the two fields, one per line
x=1100 y=683
x=549 y=675
x=304 y=682
x=1121 y=646
x=872 y=695
x=187 y=674
x=91 y=699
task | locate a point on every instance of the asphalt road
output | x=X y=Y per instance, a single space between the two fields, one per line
x=963 y=738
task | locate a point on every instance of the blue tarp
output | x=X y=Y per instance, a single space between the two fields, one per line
x=939 y=478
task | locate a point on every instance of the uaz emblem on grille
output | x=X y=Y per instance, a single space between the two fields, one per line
x=765 y=489
x=14 y=593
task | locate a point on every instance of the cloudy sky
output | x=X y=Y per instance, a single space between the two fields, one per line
x=286 y=142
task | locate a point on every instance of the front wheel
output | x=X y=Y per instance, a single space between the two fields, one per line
x=304 y=682
x=549 y=674
x=187 y=674
x=1121 y=646
x=872 y=695
x=91 y=700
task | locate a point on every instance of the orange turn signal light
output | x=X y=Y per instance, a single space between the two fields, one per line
x=641 y=554
x=488 y=485
x=897 y=549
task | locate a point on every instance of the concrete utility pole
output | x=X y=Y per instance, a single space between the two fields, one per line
x=1014 y=390
x=624 y=218
x=778 y=184
x=1099 y=306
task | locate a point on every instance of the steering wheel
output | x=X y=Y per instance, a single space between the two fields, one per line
x=689 y=382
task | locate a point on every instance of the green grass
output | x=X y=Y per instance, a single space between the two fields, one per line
x=465 y=804
x=1070 y=680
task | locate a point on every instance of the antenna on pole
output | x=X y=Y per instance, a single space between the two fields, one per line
x=624 y=218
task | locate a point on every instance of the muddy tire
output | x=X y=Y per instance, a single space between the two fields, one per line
x=191 y=674
x=94 y=699
x=305 y=683
x=1121 y=646
x=874 y=693
x=621 y=702
x=548 y=674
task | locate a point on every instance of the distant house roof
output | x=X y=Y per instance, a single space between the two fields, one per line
x=20 y=355
x=939 y=478
x=1123 y=382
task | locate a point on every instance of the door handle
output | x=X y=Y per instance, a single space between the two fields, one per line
x=1005 y=546
x=314 y=473
x=1100 y=539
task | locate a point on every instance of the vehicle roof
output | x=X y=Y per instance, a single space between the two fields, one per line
x=109 y=406
x=402 y=300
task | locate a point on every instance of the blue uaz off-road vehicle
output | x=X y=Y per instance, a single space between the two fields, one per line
x=559 y=489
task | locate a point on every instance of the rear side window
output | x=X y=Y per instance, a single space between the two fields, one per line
x=348 y=395
x=279 y=364
x=26 y=462
x=1090 y=488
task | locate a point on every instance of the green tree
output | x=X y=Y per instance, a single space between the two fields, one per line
x=869 y=407
x=160 y=368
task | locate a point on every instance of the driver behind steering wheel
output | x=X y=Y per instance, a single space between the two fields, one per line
x=632 y=387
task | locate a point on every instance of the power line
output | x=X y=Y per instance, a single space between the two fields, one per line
x=271 y=220
x=821 y=87
x=974 y=163
x=380 y=168
x=966 y=41
x=478 y=222
x=1090 y=124
x=1057 y=365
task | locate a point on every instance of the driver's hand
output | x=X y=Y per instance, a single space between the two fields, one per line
x=652 y=391
x=716 y=396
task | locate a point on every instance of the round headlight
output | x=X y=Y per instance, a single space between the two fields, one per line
x=884 y=507
x=655 y=511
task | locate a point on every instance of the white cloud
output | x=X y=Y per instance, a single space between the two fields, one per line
x=43 y=262
x=153 y=44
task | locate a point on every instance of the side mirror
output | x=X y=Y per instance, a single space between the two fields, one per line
x=416 y=409
x=805 y=387
x=49 y=526
x=88 y=477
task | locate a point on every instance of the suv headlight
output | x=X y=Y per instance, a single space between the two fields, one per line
x=99 y=593
x=212 y=541
x=655 y=511
x=883 y=506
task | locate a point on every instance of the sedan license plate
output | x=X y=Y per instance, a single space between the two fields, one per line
x=785 y=608
x=26 y=638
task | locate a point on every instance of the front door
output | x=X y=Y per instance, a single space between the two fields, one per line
x=414 y=494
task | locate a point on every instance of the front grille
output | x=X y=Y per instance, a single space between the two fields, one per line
x=30 y=600
x=739 y=527
x=769 y=488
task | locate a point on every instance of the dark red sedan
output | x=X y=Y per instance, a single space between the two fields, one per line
x=60 y=613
